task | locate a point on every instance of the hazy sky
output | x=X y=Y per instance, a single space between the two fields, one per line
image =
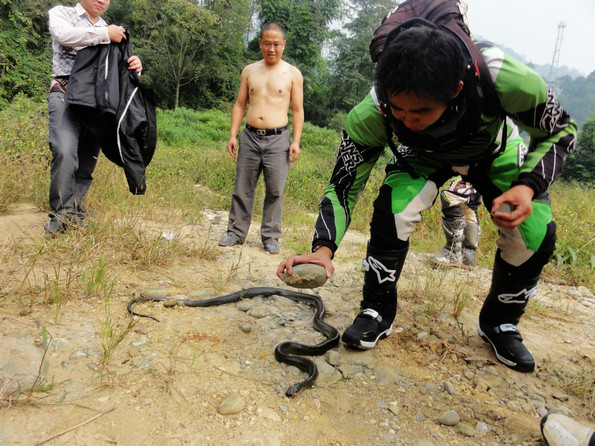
x=530 y=28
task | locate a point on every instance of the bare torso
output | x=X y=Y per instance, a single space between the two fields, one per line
x=269 y=93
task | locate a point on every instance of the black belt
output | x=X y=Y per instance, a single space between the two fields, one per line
x=61 y=84
x=266 y=132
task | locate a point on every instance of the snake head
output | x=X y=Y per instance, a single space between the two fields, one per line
x=292 y=391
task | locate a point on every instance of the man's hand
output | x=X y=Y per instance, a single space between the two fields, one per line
x=294 y=152
x=232 y=147
x=134 y=63
x=116 y=33
x=519 y=199
x=321 y=257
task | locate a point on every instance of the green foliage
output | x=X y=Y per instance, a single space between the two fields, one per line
x=352 y=69
x=577 y=96
x=192 y=52
x=580 y=165
x=306 y=26
x=176 y=39
x=25 y=55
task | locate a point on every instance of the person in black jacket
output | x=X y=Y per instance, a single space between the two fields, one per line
x=72 y=140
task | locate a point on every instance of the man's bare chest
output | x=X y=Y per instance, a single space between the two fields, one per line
x=270 y=85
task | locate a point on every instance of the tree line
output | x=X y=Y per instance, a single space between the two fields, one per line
x=194 y=50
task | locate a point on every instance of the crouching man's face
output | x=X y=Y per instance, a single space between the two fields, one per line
x=415 y=112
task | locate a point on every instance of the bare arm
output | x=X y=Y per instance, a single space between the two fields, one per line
x=237 y=114
x=297 y=108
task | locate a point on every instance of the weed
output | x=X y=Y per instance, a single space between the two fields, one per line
x=462 y=285
x=429 y=287
x=112 y=334
x=204 y=248
x=220 y=282
x=97 y=278
x=535 y=306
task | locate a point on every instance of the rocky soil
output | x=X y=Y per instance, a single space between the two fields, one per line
x=208 y=376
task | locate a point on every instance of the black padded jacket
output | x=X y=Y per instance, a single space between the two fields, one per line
x=120 y=106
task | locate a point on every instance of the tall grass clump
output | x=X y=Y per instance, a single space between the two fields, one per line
x=24 y=153
x=574 y=213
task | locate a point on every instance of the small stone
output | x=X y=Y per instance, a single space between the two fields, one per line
x=449 y=418
x=482 y=386
x=154 y=292
x=560 y=396
x=430 y=387
x=19 y=364
x=259 y=311
x=560 y=409
x=170 y=302
x=466 y=430
x=327 y=374
x=306 y=275
x=244 y=305
x=333 y=358
x=469 y=374
x=246 y=328
x=393 y=406
x=232 y=404
x=270 y=414
x=482 y=427
x=142 y=340
x=448 y=387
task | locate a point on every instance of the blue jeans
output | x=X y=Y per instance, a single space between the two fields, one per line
x=74 y=150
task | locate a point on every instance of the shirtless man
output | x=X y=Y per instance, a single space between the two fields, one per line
x=270 y=85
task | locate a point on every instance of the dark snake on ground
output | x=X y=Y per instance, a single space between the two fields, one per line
x=284 y=352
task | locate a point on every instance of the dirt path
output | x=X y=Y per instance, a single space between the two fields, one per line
x=167 y=379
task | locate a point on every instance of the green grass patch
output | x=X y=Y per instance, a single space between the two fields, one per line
x=192 y=171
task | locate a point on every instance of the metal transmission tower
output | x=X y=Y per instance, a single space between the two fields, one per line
x=556 y=58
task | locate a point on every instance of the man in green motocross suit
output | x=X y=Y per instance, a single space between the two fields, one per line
x=425 y=97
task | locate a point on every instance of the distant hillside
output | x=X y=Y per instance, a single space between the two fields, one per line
x=543 y=69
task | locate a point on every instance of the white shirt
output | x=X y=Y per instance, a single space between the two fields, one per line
x=71 y=31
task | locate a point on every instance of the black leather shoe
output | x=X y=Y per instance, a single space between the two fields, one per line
x=507 y=342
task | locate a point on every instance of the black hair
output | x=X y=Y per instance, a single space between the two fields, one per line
x=272 y=27
x=423 y=60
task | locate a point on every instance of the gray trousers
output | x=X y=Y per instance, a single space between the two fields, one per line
x=256 y=154
x=74 y=156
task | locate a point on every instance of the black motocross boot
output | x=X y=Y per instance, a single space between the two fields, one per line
x=379 y=305
x=501 y=312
